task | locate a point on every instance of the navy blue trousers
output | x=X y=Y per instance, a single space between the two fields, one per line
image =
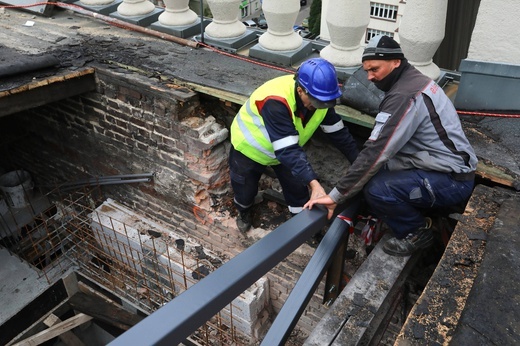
x=401 y=198
x=246 y=173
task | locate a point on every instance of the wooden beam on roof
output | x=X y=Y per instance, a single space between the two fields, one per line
x=68 y=337
x=354 y=116
x=47 y=90
x=103 y=310
x=497 y=175
x=220 y=94
x=348 y=114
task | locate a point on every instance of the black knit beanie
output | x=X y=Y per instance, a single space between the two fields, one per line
x=382 y=48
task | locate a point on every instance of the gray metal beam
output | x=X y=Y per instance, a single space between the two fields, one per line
x=174 y=322
x=302 y=292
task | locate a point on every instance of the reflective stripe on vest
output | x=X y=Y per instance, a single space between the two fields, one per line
x=248 y=135
x=285 y=142
x=248 y=132
x=333 y=128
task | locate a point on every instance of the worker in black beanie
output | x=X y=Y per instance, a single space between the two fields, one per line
x=417 y=157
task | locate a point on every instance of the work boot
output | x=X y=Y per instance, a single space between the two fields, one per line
x=421 y=239
x=244 y=220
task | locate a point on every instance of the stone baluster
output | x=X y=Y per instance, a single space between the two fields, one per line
x=495 y=37
x=96 y=2
x=347 y=21
x=421 y=32
x=104 y=7
x=177 y=12
x=131 y=8
x=225 y=22
x=280 y=17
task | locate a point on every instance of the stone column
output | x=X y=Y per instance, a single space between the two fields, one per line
x=135 y=8
x=280 y=16
x=421 y=32
x=347 y=21
x=495 y=36
x=225 y=22
x=177 y=12
x=324 y=28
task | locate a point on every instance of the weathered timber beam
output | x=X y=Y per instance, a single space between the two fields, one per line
x=102 y=310
x=68 y=337
x=55 y=330
x=45 y=91
x=497 y=175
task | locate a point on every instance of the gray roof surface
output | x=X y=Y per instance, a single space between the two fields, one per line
x=78 y=40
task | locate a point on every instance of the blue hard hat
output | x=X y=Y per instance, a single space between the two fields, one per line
x=318 y=77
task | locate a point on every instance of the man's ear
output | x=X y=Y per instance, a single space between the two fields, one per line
x=397 y=63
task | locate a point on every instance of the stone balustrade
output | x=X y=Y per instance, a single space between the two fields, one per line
x=421 y=32
x=419 y=26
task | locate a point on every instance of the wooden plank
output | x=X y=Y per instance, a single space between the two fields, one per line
x=220 y=94
x=354 y=116
x=347 y=113
x=55 y=330
x=38 y=299
x=496 y=175
x=45 y=91
x=102 y=310
x=47 y=81
x=38 y=326
x=68 y=337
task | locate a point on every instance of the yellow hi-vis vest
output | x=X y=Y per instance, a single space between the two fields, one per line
x=248 y=133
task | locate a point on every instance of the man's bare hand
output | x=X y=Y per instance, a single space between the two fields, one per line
x=317 y=190
x=326 y=201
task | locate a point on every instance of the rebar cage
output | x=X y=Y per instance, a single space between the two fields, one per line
x=62 y=231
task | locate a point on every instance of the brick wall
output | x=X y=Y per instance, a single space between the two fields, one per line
x=133 y=125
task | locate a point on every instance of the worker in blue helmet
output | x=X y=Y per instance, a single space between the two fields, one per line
x=271 y=129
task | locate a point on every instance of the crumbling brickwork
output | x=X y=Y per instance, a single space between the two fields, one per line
x=133 y=125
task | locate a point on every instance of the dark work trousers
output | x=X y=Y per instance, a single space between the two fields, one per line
x=246 y=173
x=401 y=198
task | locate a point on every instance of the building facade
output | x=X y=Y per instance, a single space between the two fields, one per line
x=385 y=17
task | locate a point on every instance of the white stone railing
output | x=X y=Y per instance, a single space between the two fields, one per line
x=420 y=26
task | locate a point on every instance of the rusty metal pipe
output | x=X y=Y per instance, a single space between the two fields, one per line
x=130 y=26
